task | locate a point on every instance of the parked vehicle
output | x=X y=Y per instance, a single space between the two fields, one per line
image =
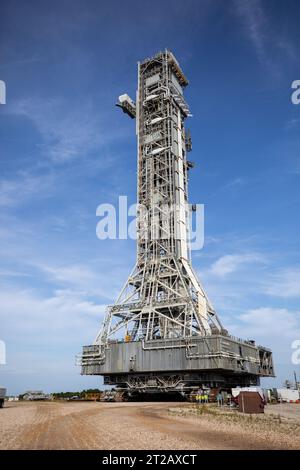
x=2 y=396
x=288 y=395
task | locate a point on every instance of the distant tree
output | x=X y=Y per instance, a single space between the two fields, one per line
x=66 y=395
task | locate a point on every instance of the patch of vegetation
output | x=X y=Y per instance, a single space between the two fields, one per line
x=81 y=394
x=254 y=422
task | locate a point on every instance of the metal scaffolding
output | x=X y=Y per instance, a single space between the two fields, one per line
x=162 y=300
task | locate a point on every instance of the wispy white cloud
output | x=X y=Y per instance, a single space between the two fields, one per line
x=292 y=124
x=76 y=274
x=275 y=328
x=284 y=283
x=81 y=278
x=69 y=131
x=258 y=29
x=228 y=264
x=23 y=312
x=31 y=249
x=20 y=62
x=236 y=182
x=10 y=273
x=23 y=185
x=254 y=22
x=270 y=322
x=43 y=334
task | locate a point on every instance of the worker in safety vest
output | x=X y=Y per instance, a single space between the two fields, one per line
x=198 y=396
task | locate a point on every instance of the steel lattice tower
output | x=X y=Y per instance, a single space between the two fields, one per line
x=162 y=301
x=162 y=297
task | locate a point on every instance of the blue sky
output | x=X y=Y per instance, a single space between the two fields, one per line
x=65 y=148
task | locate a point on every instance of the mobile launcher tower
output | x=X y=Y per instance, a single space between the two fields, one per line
x=163 y=334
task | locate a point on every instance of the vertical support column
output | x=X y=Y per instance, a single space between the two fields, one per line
x=181 y=224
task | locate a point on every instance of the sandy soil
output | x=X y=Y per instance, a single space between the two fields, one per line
x=150 y=426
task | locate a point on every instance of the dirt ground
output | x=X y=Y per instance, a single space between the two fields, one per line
x=149 y=426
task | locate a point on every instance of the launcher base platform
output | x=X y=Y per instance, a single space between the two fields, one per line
x=178 y=365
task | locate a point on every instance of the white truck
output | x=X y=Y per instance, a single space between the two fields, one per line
x=2 y=396
x=288 y=395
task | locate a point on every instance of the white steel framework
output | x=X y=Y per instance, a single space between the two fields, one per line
x=162 y=298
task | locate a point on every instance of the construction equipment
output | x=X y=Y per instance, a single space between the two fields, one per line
x=174 y=339
x=112 y=396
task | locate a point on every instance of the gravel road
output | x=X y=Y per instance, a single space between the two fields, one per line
x=150 y=426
